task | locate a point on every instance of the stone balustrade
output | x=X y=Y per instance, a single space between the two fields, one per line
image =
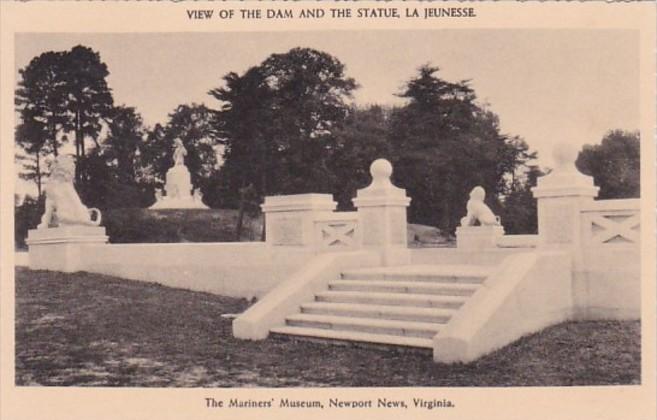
x=337 y=231
x=309 y=220
x=611 y=223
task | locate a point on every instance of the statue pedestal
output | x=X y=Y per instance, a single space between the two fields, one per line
x=178 y=191
x=478 y=237
x=59 y=248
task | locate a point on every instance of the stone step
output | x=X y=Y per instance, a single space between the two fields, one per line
x=395 y=340
x=400 y=313
x=395 y=299
x=366 y=325
x=426 y=273
x=417 y=287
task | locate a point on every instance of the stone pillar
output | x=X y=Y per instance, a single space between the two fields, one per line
x=289 y=218
x=382 y=215
x=560 y=197
x=59 y=248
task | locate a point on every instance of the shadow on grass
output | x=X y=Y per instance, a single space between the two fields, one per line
x=91 y=330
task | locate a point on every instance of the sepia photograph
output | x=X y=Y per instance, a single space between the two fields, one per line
x=356 y=209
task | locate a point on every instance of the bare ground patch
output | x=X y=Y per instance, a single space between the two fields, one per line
x=90 y=330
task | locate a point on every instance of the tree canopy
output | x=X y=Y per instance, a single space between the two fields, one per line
x=286 y=126
x=278 y=121
x=444 y=143
x=614 y=164
x=59 y=93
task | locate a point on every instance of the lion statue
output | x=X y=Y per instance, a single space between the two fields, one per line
x=63 y=205
x=478 y=211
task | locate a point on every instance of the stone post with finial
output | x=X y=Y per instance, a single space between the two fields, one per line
x=560 y=197
x=382 y=215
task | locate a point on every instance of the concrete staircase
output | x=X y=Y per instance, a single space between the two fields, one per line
x=400 y=306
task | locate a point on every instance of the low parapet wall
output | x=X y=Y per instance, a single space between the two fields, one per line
x=229 y=269
x=607 y=271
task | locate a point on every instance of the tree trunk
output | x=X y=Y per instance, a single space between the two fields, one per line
x=79 y=137
x=263 y=181
x=38 y=173
x=53 y=133
x=240 y=216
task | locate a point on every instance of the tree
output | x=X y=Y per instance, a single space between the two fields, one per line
x=60 y=92
x=279 y=119
x=154 y=157
x=88 y=98
x=614 y=164
x=40 y=100
x=32 y=137
x=309 y=94
x=519 y=214
x=121 y=146
x=244 y=117
x=110 y=176
x=27 y=215
x=444 y=143
x=196 y=126
x=362 y=139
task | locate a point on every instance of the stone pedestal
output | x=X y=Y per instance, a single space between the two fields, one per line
x=59 y=248
x=289 y=219
x=382 y=215
x=478 y=237
x=178 y=190
x=560 y=197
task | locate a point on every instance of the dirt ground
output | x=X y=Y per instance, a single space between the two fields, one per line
x=90 y=330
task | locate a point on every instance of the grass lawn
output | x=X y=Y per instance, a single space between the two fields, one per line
x=91 y=330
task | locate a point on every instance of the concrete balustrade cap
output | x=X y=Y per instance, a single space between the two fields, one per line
x=298 y=202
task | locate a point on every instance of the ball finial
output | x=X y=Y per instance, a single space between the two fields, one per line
x=564 y=154
x=381 y=170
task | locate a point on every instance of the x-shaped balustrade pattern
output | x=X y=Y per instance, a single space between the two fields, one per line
x=339 y=231
x=612 y=222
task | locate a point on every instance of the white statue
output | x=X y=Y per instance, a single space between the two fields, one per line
x=198 y=195
x=178 y=185
x=179 y=153
x=478 y=211
x=63 y=205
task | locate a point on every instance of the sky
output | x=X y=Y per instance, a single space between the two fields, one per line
x=547 y=86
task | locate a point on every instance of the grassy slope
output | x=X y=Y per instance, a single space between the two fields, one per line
x=83 y=329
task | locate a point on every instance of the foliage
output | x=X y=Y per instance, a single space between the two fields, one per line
x=58 y=93
x=196 y=126
x=108 y=176
x=444 y=144
x=101 y=186
x=27 y=215
x=41 y=99
x=362 y=139
x=519 y=212
x=278 y=120
x=121 y=146
x=134 y=225
x=614 y=164
x=89 y=99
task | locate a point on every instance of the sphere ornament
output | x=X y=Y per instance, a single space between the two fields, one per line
x=381 y=171
x=565 y=155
